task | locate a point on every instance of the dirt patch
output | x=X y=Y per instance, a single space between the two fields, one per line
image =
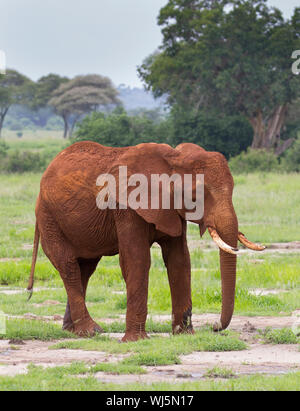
x=257 y=358
x=15 y=362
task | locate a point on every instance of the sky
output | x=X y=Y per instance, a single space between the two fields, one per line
x=72 y=37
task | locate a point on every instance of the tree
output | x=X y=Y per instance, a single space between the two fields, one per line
x=44 y=87
x=43 y=90
x=231 y=56
x=15 y=88
x=119 y=129
x=80 y=96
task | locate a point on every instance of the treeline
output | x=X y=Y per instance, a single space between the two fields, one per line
x=225 y=74
x=70 y=99
x=229 y=135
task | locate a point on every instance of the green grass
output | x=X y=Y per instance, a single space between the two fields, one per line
x=280 y=336
x=118 y=369
x=159 y=350
x=268 y=210
x=269 y=271
x=218 y=372
x=21 y=329
x=259 y=204
x=78 y=377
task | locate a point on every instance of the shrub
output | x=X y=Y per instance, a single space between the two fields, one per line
x=118 y=129
x=291 y=159
x=228 y=135
x=20 y=162
x=254 y=161
x=3 y=149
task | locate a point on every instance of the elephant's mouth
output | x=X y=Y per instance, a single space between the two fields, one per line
x=231 y=250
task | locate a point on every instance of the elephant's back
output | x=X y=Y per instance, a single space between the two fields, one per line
x=71 y=177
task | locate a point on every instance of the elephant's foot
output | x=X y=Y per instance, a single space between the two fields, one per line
x=178 y=329
x=86 y=328
x=131 y=336
x=182 y=323
x=68 y=326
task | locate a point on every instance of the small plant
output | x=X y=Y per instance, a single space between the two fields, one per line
x=218 y=372
x=280 y=336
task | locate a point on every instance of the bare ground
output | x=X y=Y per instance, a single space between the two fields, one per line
x=258 y=358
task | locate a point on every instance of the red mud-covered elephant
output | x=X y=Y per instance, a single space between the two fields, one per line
x=75 y=233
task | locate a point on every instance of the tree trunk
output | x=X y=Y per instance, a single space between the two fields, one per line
x=66 y=125
x=73 y=126
x=267 y=130
x=2 y=117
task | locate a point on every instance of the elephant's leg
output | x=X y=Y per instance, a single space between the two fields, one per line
x=87 y=268
x=134 y=251
x=62 y=256
x=177 y=260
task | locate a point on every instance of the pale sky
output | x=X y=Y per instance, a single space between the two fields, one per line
x=71 y=37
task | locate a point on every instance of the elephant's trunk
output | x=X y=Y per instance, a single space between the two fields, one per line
x=227 y=228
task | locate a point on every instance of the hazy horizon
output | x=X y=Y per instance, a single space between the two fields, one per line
x=108 y=37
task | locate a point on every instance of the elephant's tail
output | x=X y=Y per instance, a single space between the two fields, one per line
x=34 y=258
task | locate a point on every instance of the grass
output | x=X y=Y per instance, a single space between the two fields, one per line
x=159 y=350
x=117 y=369
x=217 y=372
x=280 y=336
x=20 y=329
x=267 y=206
x=79 y=377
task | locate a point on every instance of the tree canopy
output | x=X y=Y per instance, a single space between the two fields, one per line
x=233 y=57
x=15 y=88
x=82 y=95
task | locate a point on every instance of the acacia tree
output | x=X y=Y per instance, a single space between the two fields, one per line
x=231 y=56
x=15 y=88
x=80 y=96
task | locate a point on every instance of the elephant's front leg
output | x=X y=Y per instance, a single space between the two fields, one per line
x=177 y=260
x=134 y=250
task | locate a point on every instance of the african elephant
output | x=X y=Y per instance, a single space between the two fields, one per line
x=75 y=233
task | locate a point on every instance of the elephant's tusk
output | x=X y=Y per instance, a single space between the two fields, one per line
x=249 y=244
x=218 y=240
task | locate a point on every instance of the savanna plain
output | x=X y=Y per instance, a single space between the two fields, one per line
x=259 y=351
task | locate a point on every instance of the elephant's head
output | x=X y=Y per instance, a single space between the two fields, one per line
x=219 y=216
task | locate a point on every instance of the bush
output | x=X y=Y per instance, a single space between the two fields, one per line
x=3 y=150
x=118 y=129
x=254 y=161
x=20 y=162
x=228 y=135
x=291 y=160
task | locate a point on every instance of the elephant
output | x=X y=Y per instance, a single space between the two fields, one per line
x=75 y=233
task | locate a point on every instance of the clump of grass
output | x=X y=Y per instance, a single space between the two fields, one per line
x=33 y=330
x=217 y=372
x=159 y=350
x=117 y=368
x=280 y=336
x=153 y=358
x=151 y=327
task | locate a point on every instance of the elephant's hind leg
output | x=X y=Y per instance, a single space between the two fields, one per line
x=62 y=256
x=87 y=268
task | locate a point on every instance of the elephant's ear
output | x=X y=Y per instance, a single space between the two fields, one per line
x=146 y=160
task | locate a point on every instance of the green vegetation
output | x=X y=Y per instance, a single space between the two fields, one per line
x=259 y=200
x=79 y=377
x=20 y=329
x=210 y=60
x=159 y=350
x=280 y=336
x=218 y=372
